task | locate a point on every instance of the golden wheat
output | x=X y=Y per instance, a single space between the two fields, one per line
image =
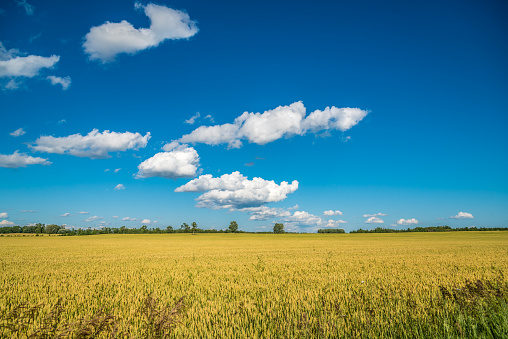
x=260 y=286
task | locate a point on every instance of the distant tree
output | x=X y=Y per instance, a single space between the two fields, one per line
x=194 y=227
x=52 y=229
x=144 y=229
x=233 y=227
x=169 y=229
x=278 y=228
x=185 y=228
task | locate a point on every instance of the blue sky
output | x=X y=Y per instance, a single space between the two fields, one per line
x=326 y=114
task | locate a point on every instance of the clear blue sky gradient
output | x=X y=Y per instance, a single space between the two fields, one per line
x=433 y=74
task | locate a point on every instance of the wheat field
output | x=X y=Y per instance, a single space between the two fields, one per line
x=255 y=286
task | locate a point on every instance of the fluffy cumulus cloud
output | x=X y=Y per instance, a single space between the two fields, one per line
x=129 y=219
x=146 y=222
x=374 y=220
x=265 y=212
x=94 y=145
x=4 y=215
x=64 y=82
x=26 y=66
x=119 y=187
x=235 y=191
x=14 y=66
x=6 y=223
x=412 y=221
x=106 y=41
x=462 y=215
x=17 y=133
x=182 y=162
x=305 y=219
x=271 y=125
x=16 y=160
x=331 y=213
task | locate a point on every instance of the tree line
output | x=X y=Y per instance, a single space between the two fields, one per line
x=431 y=229
x=184 y=228
x=193 y=228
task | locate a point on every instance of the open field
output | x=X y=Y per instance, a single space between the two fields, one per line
x=259 y=286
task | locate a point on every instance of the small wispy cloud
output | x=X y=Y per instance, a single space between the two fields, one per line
x=64 y=82
x=94 y=218
x=17 y=133
x=192 y=119
x=29 y=9
x=119 y=187
x=332 y=213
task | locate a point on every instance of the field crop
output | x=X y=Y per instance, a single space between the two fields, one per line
x=446 y=285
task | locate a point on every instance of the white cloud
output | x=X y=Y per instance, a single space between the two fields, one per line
x=129 y=219
x=94 y=145
x=374 y=220
x=93 y=218
x=146 y=222
x=17 y=133
x=115 y=216
x=83 y=212
x=281 y=122
x=16 y=160
x=412 y=221
x=375 y=215
x=192 y=119
x=273 y=124
x=65 y=215
x=182 y=162
x=26 y=66
x=305 y=219
x=117 y=170
x=106 y=41
x=29 y=9
x=28 y=211
x=65 y=82
x=119 y=187
x=214 y=135
x=13 y=84
x=209 y=117
x=332 y=213
x=63 y=121
x=4 y=215
x=6 y=223
x=333 y=118
x=334 y=223
x=15 y=65
x=235 y=191
x=264 y=212
x=462 y=215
